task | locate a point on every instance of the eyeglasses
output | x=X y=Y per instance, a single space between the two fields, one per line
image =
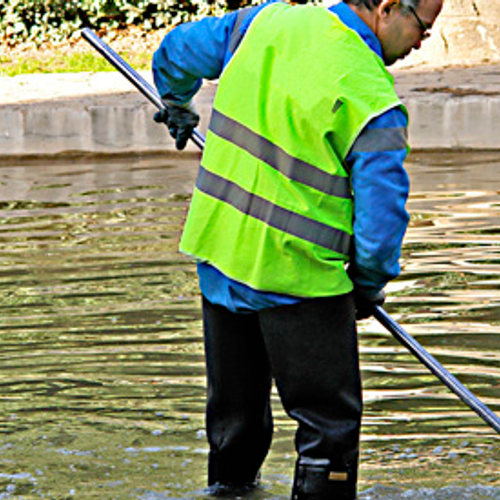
x=423 y=28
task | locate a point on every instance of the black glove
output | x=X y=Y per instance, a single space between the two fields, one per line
x=365 y=306
x=180 y=120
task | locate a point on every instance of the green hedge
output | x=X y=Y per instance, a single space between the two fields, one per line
x=42 y=20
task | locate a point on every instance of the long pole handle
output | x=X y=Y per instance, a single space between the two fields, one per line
x=437 y=369
x=380 y=314
x=133 y=76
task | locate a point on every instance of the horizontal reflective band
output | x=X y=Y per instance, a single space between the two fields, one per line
x=276 y=158
x=277 y=217
x=381 y=139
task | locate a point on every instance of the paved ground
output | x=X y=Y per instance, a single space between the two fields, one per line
x=457 y=107
x=483 y=80
x=32 y=89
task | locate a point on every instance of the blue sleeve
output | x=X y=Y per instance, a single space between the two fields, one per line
x=380 y=186
x=189 y=53
x=198 y=50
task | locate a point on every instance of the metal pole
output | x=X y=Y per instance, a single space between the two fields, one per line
x=394 y=328
x=437 y=369
x=133 y=76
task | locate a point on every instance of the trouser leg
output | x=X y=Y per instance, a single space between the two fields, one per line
x=238 y=417
x=314 y=358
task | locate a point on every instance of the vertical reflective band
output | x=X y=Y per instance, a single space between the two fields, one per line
x=275 y=157
x=273 y=215
x=237 y=35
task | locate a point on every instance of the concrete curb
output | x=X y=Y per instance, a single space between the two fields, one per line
x=457 y=108
x=40 y=115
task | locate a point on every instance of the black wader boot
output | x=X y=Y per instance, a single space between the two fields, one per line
x=238 y=416
x=314 y=358
x=316 y=479
x=311 y=350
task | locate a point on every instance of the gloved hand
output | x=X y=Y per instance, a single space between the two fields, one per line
x=365 y=306
x=180 y=120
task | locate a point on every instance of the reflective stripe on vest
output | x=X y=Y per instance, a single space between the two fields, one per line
x=277 y=217
x=237 y=35
x=381 y=139
x=263 y=149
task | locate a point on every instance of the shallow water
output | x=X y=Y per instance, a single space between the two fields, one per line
x=101 y=369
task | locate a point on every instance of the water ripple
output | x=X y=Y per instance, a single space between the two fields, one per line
x=102 y=381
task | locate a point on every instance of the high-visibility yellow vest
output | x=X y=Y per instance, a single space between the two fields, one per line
x=272 y=207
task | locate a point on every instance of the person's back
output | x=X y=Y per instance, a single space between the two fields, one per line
x=273 y=170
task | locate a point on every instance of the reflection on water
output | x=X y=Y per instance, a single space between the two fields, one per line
x=101 y=369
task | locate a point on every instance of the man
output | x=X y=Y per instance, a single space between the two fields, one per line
x=296 y=221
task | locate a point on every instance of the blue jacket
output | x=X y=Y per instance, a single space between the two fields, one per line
x=194 y=51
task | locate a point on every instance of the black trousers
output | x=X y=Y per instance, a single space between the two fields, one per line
x=311 y=351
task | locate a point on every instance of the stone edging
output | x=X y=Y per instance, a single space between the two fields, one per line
x=444 y=114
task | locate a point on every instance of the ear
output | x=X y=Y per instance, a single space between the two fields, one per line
x=386 y=7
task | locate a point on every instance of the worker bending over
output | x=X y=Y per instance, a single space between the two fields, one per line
x=296 y=221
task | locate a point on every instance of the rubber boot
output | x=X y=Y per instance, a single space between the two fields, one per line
x=238 y=416
x=314 y=359
x=230 y=481
x=315 y=479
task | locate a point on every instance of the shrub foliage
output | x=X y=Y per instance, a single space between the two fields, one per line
x=42 y=20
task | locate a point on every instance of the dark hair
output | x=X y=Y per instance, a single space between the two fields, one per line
x=371 y=4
